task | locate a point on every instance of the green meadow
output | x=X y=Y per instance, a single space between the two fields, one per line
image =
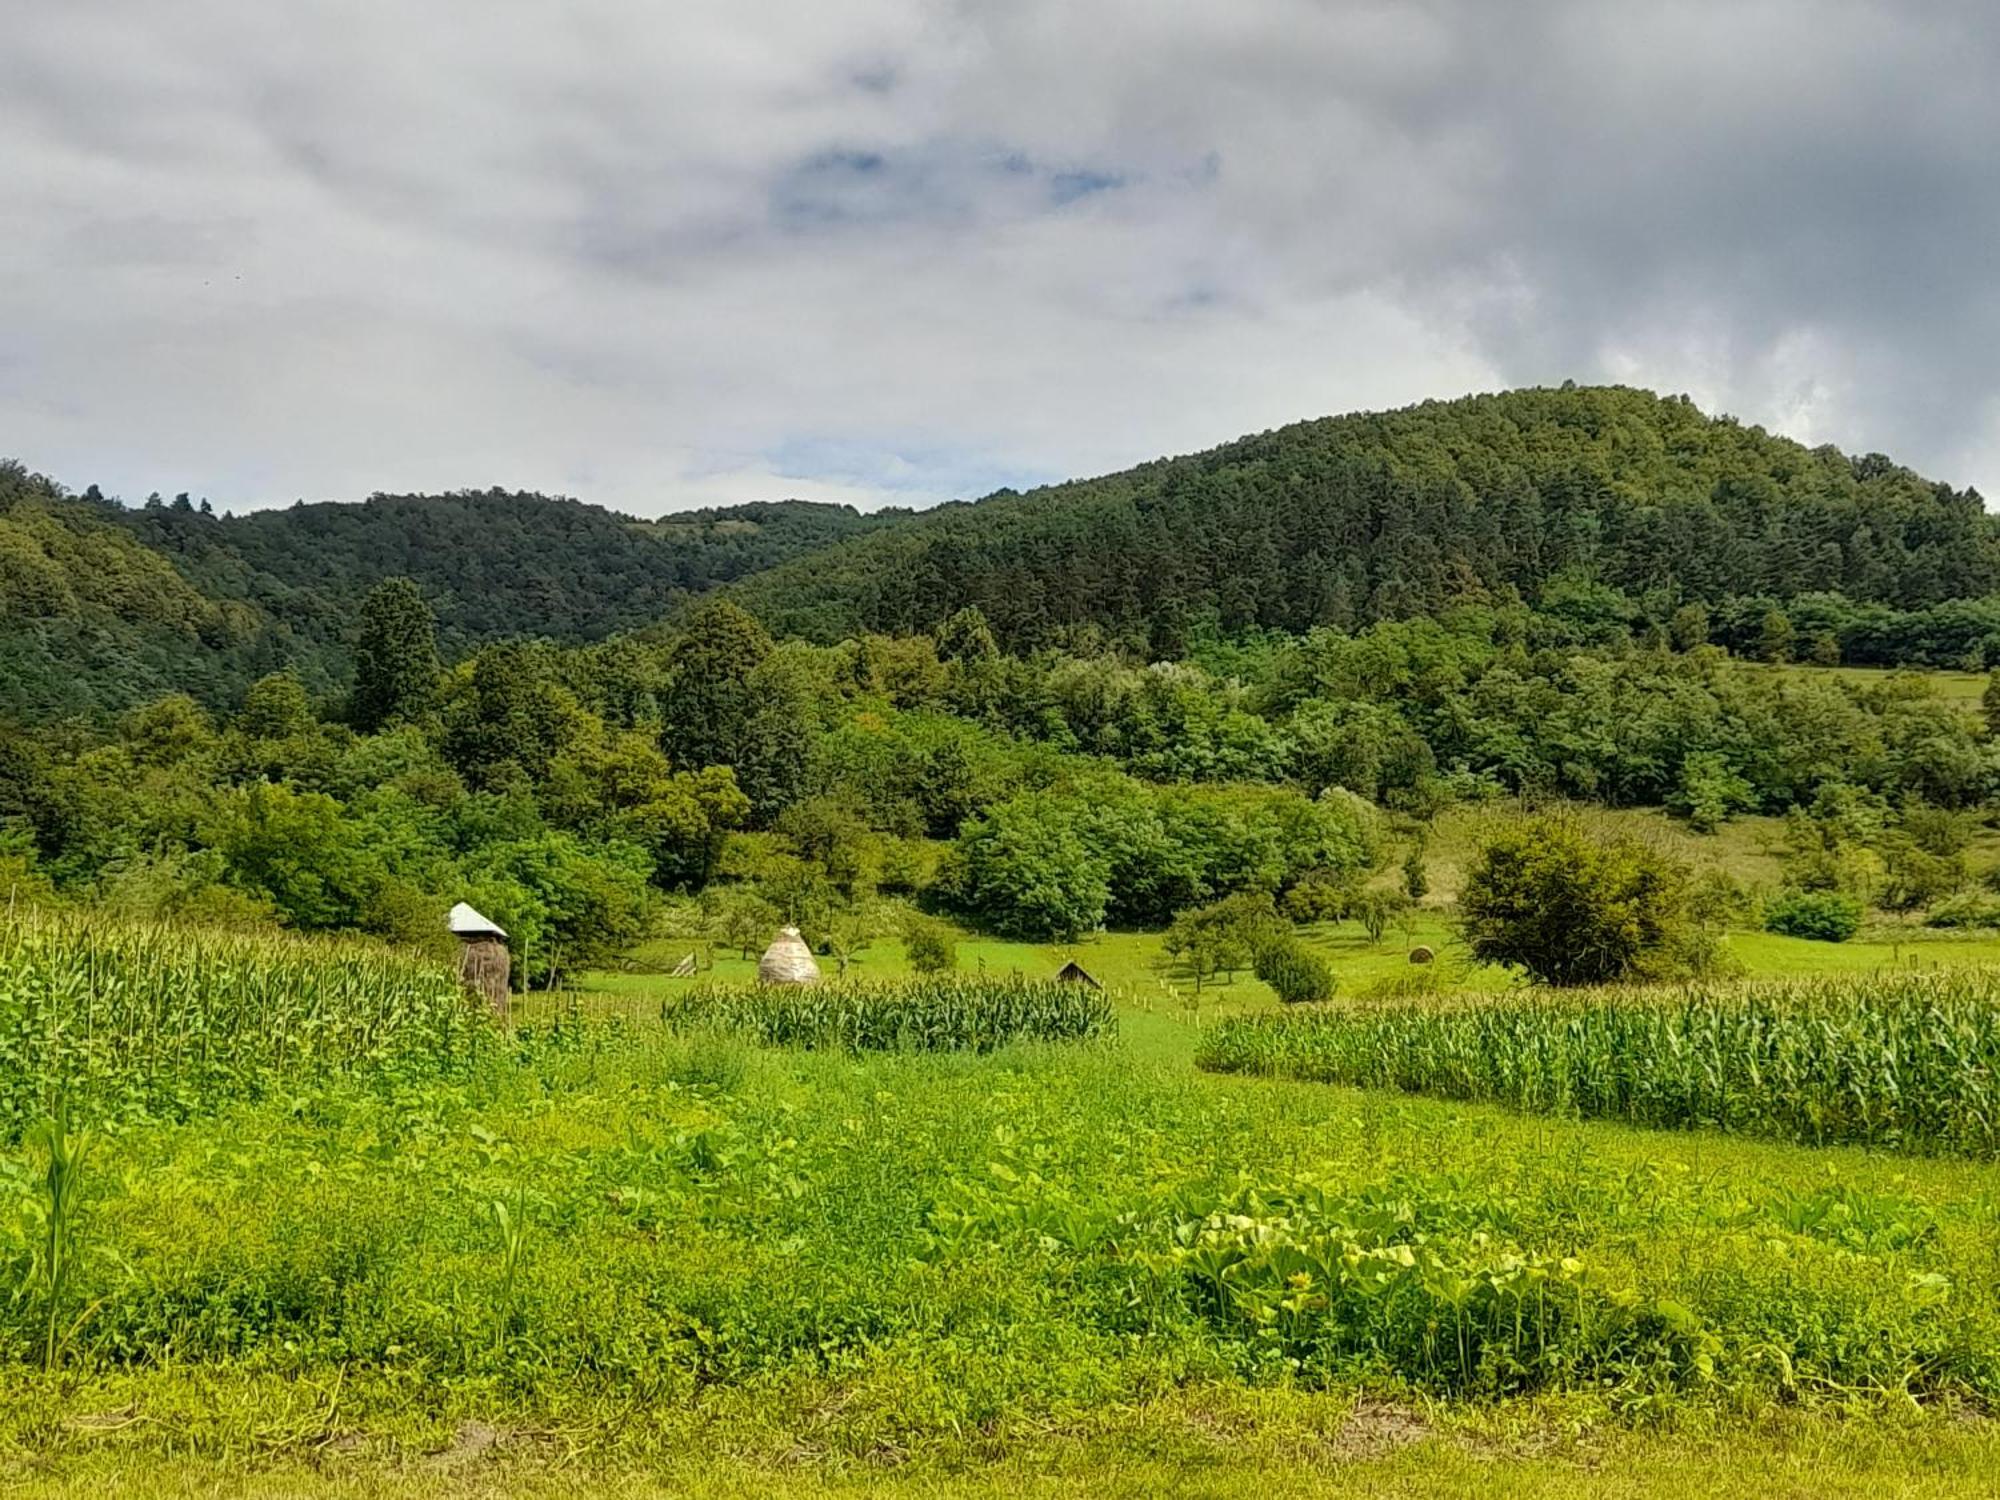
x=603 y=1254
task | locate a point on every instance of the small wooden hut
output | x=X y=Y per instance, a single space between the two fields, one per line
x=787 y=961
x=1075 y=973
x=482 y=955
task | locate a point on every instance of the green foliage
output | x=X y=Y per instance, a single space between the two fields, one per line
x=1056 y=864
x=275 y=708
x=1910 y=1062
x=1709 y=792
x=61 y=1204
x=563 y=902
x=931 y=945
x=959 y=1014
x=1435 y=1288
x=1775 y=636
x=1689 y=528
x=1378 y=910
x=1321 y=895
x=1293 y=971
x=1571 y=906
x=1823 y=916
x=1968 y=909
x=1416 y=878
x=134 y=1021
x=1223 y=936
x=395 y=656
x=1913 y=877
x=710 y=704
x=1284 y=530
x=1029 y=869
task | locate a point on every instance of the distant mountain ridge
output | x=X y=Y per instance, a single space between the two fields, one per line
x=1336 y=521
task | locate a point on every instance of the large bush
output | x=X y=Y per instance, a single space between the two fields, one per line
x=930 y=945
x=1550 y=895
x=1296 y=973
x=1824 y=916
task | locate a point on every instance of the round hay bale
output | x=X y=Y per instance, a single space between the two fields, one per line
x=1421 y=955
x=787 y=961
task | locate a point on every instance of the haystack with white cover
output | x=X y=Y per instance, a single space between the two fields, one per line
x=483 y=964
x=787 y=961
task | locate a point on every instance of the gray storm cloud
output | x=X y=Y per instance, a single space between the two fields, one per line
x=892 y=251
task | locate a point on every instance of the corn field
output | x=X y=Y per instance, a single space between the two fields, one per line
x=919 y=1015
x=119 y=1018
x=1909 y=1062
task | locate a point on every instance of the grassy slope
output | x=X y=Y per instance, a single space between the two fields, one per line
x=234 y=1429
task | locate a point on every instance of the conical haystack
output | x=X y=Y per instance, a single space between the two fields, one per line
x=787 y=961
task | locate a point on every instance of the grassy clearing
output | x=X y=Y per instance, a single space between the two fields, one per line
x=1908 y=1062
x=1133 y=966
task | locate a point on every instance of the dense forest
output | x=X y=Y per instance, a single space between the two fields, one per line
x=1355 y=519
x=1609 y=509
x=712 y=780
x=104 y=605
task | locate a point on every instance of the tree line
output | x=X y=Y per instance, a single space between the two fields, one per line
x=711 y=773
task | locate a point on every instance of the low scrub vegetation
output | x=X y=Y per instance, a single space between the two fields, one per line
x=1823 y=916
x=1910 y=1063
x=932 y=1014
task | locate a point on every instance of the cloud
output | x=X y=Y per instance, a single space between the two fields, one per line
x=900 y=251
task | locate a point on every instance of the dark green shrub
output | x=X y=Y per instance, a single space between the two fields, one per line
x=1823 y=916
x=931 y=945
x=1550 y=895
x=1294 y=971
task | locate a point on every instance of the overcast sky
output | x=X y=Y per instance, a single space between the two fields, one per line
x=658 y=255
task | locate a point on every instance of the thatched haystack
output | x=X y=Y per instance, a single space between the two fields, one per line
x=787 y=961
x=483 y=964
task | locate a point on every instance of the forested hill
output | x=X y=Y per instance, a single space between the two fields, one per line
x=1365 y=517
x=1570 y=498
x=102 y=605
x=493 y=563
